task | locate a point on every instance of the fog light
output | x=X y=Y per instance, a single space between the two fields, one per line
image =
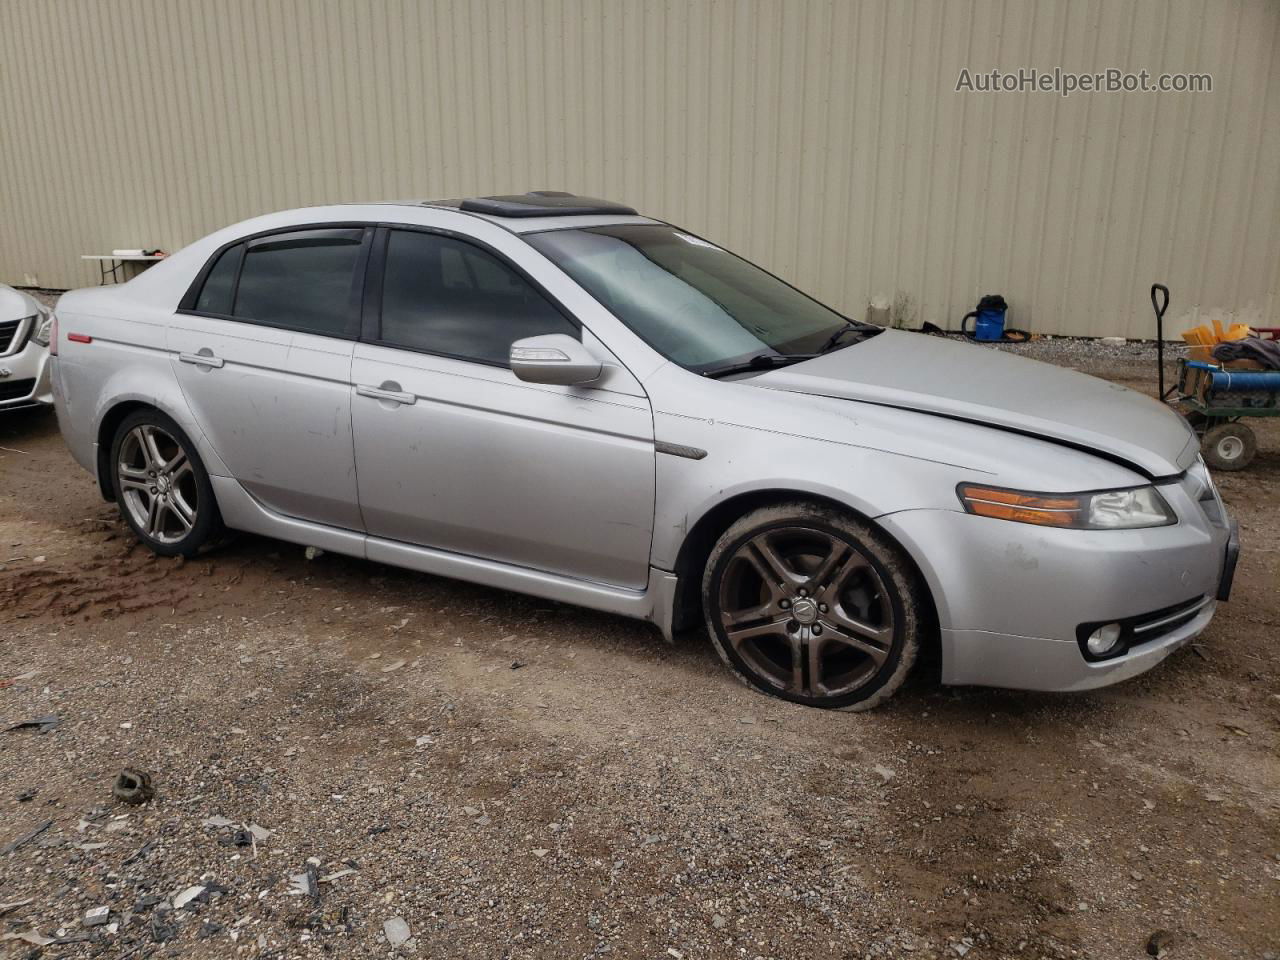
x=1103 y=640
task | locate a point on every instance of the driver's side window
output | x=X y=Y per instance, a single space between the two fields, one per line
x=446 y=296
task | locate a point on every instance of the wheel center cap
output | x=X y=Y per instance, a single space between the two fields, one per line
x=804 y=610
x=162 y=484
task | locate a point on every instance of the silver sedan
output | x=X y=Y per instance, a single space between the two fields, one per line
x=24 y=351
x=556 y=395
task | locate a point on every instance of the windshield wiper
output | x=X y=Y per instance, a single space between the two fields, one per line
x=761 y=361
x=834 y=339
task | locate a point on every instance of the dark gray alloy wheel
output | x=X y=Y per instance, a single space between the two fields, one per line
x=813 y=606
x=161 y=487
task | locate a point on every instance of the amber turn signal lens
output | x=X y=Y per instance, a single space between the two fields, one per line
x=1046 y=511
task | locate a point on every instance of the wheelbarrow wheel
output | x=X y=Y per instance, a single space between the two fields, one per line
x=1229 y=446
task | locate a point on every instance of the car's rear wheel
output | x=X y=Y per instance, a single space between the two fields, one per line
x=161 y=486
x=814 y=606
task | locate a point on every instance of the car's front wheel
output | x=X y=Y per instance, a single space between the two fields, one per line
x=161 y=486
x=813 y=605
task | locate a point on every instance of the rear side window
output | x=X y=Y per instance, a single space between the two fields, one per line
x=220 y=285
x=305 y=280
x=446 y=296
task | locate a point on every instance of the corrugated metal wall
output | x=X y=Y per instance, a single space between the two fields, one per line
x=824 y=140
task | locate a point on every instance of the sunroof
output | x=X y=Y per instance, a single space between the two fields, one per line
x=544 y=203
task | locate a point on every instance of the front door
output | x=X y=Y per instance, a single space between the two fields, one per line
x=264 y=360
x=454 y=452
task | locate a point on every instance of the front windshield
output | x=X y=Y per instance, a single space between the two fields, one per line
x=692 y=301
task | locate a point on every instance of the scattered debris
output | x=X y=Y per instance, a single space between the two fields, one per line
x=313 y=553
x=541 y=852
x=10 y=681
x=885 y=773
x=517 y=664
x=26 y=795
x=133 y=786
x=1159 y=942
x=32 y=936
x=209 y=929
x=140 y=854
x=305 y=884
x=26 y=838
x=394 y=665
x=258 y=833
x=338 y=874
x=397 y=931
x=96 y=916
x=1199 y=649
x=162 y=932
x=1238 y=730
x=187 y=895
x=218 y=821
x=39 y=724
x=8 y=908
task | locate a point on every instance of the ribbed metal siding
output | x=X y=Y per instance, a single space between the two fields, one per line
x=821 y=139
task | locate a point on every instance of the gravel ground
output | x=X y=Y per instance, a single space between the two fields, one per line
x=346 y=754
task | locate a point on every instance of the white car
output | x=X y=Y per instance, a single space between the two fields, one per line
x=24 y=350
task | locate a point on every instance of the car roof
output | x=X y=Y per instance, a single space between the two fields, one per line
x=542 y=210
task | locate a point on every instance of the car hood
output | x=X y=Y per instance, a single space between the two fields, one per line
x=14 y=304
x=997 y=389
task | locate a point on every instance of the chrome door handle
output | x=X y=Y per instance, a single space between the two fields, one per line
x=384 y=393
x=201 y=359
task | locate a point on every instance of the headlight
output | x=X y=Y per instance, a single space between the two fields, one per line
x=1101 y=510
x=40 y=328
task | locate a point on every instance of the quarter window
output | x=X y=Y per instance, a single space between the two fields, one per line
x=220 y=285
x=446 y=296
x=305 y=280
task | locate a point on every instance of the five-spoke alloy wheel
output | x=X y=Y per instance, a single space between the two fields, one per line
x=813 y=606
x=161 y=486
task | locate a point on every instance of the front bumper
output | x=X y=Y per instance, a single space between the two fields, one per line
x=24 y=378
x=1040 y=663
x=1011 y=597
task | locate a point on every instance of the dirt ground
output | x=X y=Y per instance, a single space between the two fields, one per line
x=517 y=778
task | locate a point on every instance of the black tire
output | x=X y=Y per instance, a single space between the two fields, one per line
x=140 y=490
x=1229 y=446
x=791 y=659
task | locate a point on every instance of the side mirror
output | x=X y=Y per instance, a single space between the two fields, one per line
x=553 y=358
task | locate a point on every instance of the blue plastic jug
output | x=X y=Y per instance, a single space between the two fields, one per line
x=988 y=319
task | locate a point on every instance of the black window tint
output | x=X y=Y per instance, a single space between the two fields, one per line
x=220 y=284
x=302 y=280
x=446 y=296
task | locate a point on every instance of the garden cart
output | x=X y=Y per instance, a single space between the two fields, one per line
x=1216 y=397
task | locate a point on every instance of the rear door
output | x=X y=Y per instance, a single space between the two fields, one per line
x=262 y=348
x=454 y=452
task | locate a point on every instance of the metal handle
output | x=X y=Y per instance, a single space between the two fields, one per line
x=1160 y=303
x=381 y=393
x=201 y=359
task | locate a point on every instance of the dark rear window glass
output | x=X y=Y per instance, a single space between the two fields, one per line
x=303 y=280
x=446 y=296
x=220 y=285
